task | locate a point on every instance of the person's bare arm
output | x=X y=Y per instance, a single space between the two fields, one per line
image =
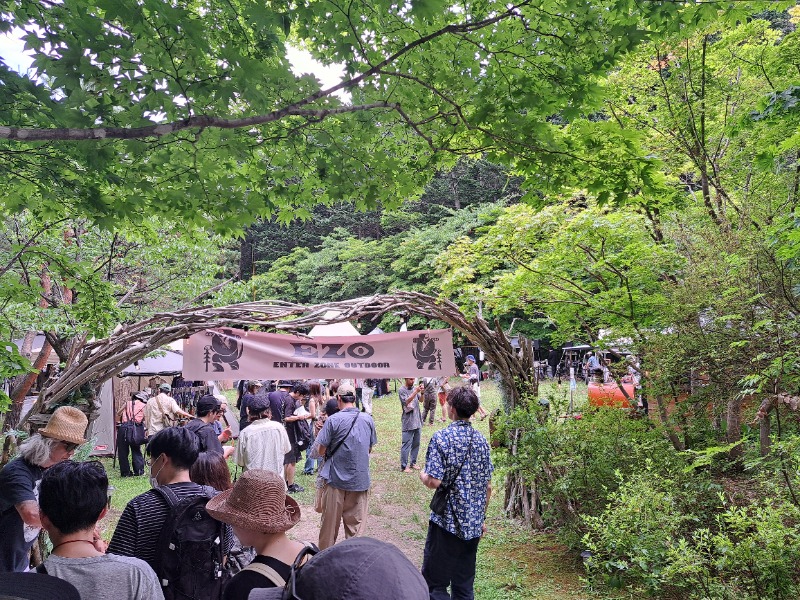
x=29 y=512
x=428 y=481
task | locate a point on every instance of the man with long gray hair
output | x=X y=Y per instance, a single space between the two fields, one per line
x=19 y=483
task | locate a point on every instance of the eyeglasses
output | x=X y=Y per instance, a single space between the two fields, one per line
x=69 y=446
x=150 y=460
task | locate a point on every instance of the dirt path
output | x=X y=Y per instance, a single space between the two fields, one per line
x=385 y=522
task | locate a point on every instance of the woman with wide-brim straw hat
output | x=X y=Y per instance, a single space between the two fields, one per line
x=260 y=512
x=57 y=441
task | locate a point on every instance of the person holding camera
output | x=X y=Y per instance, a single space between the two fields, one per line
x=208 y=410
x=412 y=424
x=459 y=467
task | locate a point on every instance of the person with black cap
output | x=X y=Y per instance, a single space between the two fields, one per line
x=473 y=376
x=208 y=408
x=264 y=443
x=251 y=388
x=360 y=568
x=35 y=586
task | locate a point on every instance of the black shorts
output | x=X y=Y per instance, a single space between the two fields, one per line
x=293 y=456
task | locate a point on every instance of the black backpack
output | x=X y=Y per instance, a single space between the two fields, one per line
x=190 y=549
x=196 y=427
x=302 y=434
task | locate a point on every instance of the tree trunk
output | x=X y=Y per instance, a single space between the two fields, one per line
x=23 y=384
x=664 y=418
x=763 y=434
x=734 y=427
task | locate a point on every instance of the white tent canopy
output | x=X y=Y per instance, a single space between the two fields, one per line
x=341 y=329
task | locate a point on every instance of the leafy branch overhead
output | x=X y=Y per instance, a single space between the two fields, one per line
x=193 y=108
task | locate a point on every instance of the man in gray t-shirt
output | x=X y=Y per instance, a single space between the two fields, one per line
x=72 y=498
x=412 y=424
x=345 y=441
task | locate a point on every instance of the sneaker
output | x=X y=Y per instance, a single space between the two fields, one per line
x=294 y=488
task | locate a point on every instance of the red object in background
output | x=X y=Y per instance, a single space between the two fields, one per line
x=609 y=394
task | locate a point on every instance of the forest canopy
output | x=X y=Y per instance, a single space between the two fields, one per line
x=192 y=110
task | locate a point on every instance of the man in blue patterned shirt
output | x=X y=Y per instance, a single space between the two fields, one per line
x=459 y=454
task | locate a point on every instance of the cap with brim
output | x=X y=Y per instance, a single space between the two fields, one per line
x=257 y=502
x=208 y=402
x=254 y=383
x=164 y=387
x=346 y=390
x=258 y=404
x=470 y=357
x=359 y=568
x=285 y=383
x=29 y=586
x=67 y=424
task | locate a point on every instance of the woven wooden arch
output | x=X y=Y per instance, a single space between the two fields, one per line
x=96 y=361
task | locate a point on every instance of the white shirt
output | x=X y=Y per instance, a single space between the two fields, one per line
x=262 y=445
x=160 y=412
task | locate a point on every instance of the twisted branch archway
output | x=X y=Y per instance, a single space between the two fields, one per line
x=97 y=361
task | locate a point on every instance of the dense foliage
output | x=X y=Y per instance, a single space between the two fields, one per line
x=656 y=146
x=192 y=108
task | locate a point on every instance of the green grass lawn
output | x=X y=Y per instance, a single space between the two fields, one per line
x=513 y=561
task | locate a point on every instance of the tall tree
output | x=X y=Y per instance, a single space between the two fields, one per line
x=192 y=109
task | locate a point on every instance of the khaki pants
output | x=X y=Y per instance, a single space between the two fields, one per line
x=343 y=506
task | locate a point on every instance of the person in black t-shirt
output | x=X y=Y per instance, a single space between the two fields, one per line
x=19 y=483
x=250 y=391
x=208 y=410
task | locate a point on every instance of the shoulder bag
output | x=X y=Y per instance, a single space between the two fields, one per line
x=441 y=496
x=330 y=451
x=132 y=432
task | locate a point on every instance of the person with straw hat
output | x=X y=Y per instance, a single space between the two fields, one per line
x=19 y=483
x=260 y=512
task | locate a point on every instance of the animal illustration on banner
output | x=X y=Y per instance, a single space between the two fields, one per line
x=259 y=355
x=225 y=348
x=426 y=352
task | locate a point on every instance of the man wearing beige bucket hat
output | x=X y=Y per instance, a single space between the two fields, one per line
x=260 y=513
x=19 y=483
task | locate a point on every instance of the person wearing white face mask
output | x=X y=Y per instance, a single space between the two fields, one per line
x=171 y=453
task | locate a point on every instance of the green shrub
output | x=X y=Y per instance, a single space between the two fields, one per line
x=575 y=464
x=753 y=554
x=632 y=539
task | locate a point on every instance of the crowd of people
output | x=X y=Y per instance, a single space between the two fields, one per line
x=197 y=534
